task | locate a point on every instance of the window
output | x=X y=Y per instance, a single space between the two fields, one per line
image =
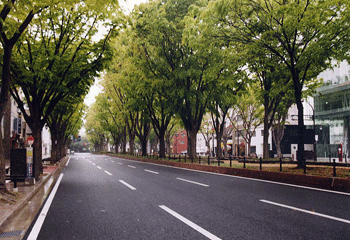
x=262 y=132
x=252 y=149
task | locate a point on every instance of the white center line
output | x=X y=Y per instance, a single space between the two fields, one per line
x=306 y=211
x=189 y=223
x=127 y=184
x=110 y=174
x=99 y=167
x=151 y=171
x=201 y=184
x=131 y=166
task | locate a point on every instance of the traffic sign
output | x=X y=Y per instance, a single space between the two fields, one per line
x=30 y=140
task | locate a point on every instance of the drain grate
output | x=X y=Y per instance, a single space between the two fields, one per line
x=11 y=234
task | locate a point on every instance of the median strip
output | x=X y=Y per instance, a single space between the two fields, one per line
x=197 y=183
x=306 y=211
x=189 y=223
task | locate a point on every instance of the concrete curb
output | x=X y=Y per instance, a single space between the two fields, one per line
x=20 y=205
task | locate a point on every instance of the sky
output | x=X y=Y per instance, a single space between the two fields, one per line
x=127 y=6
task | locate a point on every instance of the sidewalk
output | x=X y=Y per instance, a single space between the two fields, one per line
x=26 y=192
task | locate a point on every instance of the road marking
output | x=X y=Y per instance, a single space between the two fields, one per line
x=99 y=167
x=245 y=178
x=185 y=180
x=131 y=166
x=41 y=218
x=94 y=164
x=306 y=211
x=151 y=171
x=119 y=163
x=68 y=162
x=189 y=223
x=127 y=184
x=110 y=174
x=112 y=161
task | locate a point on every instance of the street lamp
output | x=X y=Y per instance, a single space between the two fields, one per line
x=314 y=126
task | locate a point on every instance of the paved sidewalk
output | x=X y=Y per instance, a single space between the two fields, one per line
x=26 y=192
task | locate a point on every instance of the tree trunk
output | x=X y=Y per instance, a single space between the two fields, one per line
x=2 y=163
x=218 y=144
x=7 y=130
x=192 y=144
x=37 y=148
x=162 y=145
x=300 y=154
x=266 y=149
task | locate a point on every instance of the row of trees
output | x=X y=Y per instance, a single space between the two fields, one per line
x=180 y=59
x=49 y=61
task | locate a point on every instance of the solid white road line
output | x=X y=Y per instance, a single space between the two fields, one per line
x=189 y=223
x=306 y=211
x=39 y=222
x=185 y=180
x=99 y=167
x=131 y=166
x=146 y=170
x=110 y=174
x=68 y=162
x=127 y=184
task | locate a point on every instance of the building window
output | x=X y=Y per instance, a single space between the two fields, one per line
x=262 y=132
x=252 y=149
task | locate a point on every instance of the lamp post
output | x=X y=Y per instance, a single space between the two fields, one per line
x=314 y=126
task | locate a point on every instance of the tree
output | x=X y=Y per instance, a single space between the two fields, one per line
x=248 y=111
x=304 y=35
x=190 y=70
x=56 y=60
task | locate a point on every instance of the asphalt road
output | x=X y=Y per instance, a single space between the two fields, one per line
x=101 y=197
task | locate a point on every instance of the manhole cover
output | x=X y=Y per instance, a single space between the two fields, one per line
x=11 y=234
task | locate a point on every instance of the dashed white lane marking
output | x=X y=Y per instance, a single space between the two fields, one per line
x=94 y=164
x=112 y=161
x=99 y=167
x=306 y=211
x=119 y=163
x=127 y=184
x=131 y=166
x=189 y=223
x=41 y=218
x=110 y=174
x=146 y=170
x=200 y=184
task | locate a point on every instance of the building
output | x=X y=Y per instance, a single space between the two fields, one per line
x=332 y=115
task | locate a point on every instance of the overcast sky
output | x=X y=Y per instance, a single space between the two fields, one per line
x=127 y=6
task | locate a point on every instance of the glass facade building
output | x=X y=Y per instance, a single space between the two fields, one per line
x=332 y=114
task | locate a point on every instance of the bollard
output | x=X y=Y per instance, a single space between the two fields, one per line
x=304 y=165
x=230 y=157
x=260 y=163
x=199 y=160
x=179 y=158
x=185 y=157
x=208 y=160
x=280 y=164
x=219 y=161
x=334 y=169
x=244 y=162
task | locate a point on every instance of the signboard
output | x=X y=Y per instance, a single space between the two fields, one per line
x=29 y=161
x=30 y=140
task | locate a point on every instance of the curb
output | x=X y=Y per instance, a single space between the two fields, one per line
x=38 y=186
